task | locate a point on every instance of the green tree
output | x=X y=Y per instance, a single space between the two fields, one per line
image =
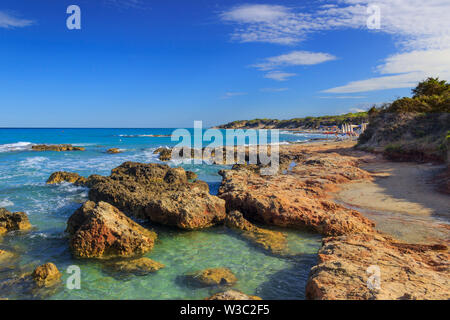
x=431 y=86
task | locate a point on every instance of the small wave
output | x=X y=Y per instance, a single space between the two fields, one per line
x=6 y=203
x=18 y=146
x=34 y=162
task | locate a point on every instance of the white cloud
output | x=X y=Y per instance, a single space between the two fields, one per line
x=228 y=95
x=418 y=24
x=421 y=29
x=294 y=58
x=10 y=21
x=279 y=75
x=403 y=70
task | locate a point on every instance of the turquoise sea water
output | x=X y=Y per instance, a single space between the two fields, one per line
x=23 y=173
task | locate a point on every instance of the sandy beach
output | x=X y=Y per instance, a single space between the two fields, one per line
x=402 y=199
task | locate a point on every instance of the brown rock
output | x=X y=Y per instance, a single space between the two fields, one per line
x=99 y=230
x=140 y=266
x=57 y=147
x=46 y=275
x=159 y=193
x=291 y=200
x=191 y=175
x=165 y=154
x=407 y=271
x=62 y=176
x=11 y=221
x=113 y=151
x=213 y=277
x=273 y=241
x=232 y=295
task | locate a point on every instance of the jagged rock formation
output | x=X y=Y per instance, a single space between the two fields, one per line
x=159 y=193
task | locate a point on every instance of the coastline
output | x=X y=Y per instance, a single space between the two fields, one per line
x=315 y=191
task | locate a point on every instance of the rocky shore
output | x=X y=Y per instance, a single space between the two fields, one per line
x=299 y=196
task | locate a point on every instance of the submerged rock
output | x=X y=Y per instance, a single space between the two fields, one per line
x=273 y=241
x=213 y=277
x=232 y=295
x=56 y=147
x=159 y=193
x=11 y=221
x=350 y=265
x=63 y=176
x=46 y=275
x=113 y=150
x=99 y=230
x=6 y=256
x=140 y=266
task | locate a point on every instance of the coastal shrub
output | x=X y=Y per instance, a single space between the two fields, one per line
x=430 y=87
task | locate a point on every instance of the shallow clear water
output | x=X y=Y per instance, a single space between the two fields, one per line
x=22 y=188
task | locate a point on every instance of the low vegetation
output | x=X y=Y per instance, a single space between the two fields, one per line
x=412 y=128
x=298 y=123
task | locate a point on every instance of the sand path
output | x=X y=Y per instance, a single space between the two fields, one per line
x=402 y=201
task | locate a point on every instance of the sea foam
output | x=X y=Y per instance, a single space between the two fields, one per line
x=18 y=146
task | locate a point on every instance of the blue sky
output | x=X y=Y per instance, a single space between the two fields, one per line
x=137 y=63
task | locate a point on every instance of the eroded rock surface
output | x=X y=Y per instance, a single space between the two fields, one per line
x=298 y=198
x=56 y=147
x=159 y=193
x=12 y=221
x=99 y=230
x=46 y=275
x=406 y=271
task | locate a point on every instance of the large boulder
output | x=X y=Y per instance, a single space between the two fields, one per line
x=159 y=193
x=99 y=230
x=11 y=221
x=56 y=147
